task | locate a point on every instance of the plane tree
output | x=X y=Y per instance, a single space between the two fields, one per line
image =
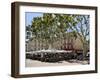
x=81 y=29
x=50 y=27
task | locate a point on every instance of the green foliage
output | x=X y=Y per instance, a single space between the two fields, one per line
x=52 y=26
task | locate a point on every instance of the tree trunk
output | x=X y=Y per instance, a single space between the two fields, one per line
x=84 y=50
x=50 y=46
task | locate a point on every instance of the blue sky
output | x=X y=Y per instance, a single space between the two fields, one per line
x=30 y=15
